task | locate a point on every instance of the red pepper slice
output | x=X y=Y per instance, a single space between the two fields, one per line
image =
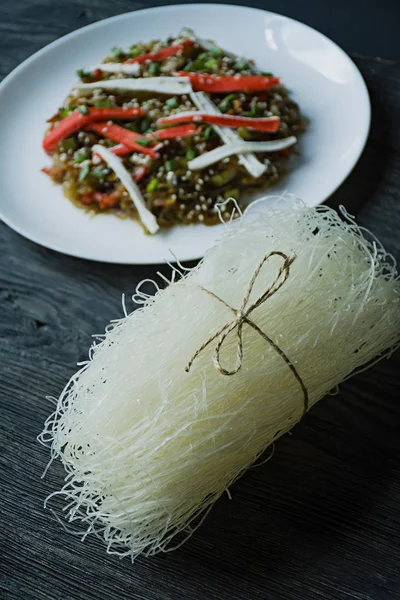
x=262 y=124
x=120 y=150
x=107 y=200
x=174 y=132
x=162 y=54
x=103 y=200
x=76 y=121
x=219 y=84
x=123 y=136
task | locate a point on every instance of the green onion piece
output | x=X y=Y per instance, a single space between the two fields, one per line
x=152 y=185
x=144 y=125
x=172 y=103
x=84 y=74
x=266 y=74
x=84 y=172
x=203 y=56
x=226 y=103
x=106 y=103
x=208 y=132
x=240 y=65
x=216 y=52
x=83 y=109
x=211 y=64
x=244 y=133
x=223 y=177
x=99 y=173
x=143 y=142
x=190 y=154
x=134 y=126
x=134 y=51
x=171 y=165
x=154 y=68
x=189 y=67
x=65 y=112
x=117 y=52
x=81 y=155
x=68 y=144
x=232 y=193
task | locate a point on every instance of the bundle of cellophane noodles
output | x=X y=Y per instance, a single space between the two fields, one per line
x=149 y=446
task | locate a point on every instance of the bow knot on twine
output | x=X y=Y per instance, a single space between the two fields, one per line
x=242 y=316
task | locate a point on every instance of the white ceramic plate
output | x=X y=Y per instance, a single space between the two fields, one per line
x=322 y=78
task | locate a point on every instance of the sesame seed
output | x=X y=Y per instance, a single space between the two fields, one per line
x=204 y=207
x=197 y=207
x=182 y=206
x=173 y=197
x=188 y=173
x=63 y=157
x=197 y=187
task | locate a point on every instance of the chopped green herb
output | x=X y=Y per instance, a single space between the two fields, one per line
x=84 y=172
x=208 y=132
x=83 y=109
x=233 y=193
x=223 y=177
x=134 y=51
x=240 y=65
x=189 y=67
x=211 y=64
x=81 y=155
x=144 y=125
x=203 y=56
x=172 y=103
x=152 y=185
x=226 y=103
x=266 y=74
x=171 y=165
x=68 y=144
x=117 y=52
x=104 y=103
x=134 y=126
x=256 y=111
x=143 y=142
x=154 y=68
x=65 y=112
x=190 y=154
x=99 y=172
x=216 y=52
x=82 y=74
x=244 y=133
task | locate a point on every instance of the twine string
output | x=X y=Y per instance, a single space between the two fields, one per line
x=242 y=316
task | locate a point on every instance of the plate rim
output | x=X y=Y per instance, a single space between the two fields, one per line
x=171 y=8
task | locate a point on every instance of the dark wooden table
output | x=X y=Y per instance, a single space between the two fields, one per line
x=319 y=521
